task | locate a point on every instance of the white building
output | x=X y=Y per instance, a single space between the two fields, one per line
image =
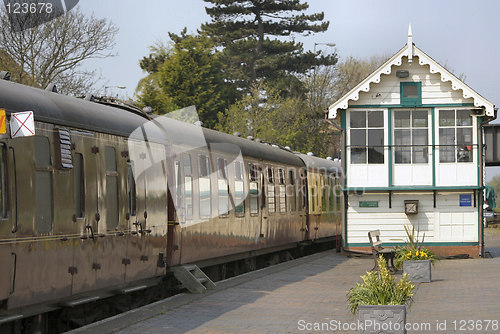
x=413 y=140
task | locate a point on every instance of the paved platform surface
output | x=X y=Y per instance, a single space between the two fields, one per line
x=308 y=295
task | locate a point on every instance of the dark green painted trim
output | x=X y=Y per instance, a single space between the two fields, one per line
x=429 y=188
x=390 y=145
x=410 y=101
x=433 y=131
x=393 y=244
x=444 y=105
x=343 y=145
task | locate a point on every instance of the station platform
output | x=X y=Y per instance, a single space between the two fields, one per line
x=308 y=295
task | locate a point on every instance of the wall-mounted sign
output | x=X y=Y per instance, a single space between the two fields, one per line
x=22 y=124
x=368 y=204
x=465 y=200
x=3 y=122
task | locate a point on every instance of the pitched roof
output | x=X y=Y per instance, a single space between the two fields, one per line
x=410 y=51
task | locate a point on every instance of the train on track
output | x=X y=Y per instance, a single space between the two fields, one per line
x=104 y=199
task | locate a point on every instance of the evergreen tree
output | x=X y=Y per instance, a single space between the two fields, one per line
x=251 y=34
x=189 y=73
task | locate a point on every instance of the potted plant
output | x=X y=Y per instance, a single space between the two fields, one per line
x=415 y=258
x=381 y=301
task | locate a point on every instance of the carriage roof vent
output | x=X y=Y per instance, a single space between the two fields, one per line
x=336 y=160
x=288 y=148
x=237 y=134
x=89 y=97
x=51 y=87
x=258 y=140
x=147 y=110
x=198 y=123
x=5 y=75
x=274 y=145
x=250 y=138
x=310 y=154
x=329 y=158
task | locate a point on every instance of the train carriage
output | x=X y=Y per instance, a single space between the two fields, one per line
x=105 y=199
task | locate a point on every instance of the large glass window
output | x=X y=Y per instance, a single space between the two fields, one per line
x=455 y=136
x=411 y=135
x=367 y=137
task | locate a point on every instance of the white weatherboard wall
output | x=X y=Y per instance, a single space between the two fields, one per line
x=448 y=222
x=434 y=91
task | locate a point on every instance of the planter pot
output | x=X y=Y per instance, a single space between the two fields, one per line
x=382 y=319
x=419 y=271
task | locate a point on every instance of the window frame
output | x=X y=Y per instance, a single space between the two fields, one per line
x=455 y=144
x=366 y=147
x=410 y=101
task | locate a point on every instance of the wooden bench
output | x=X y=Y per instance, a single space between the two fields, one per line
x=377 y=249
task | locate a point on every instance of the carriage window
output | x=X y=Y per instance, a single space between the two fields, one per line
x=270 y=176
x=111 y=188
x=331 y=192
x=222 y=186
x=43 y=184
x=292 y=191
x=271 y=199
x=252 y=171
x=239 y=192
x=324 y=194
x=79 y=180
x=188 y=186
x=205 y=190
x=3 y=182
x=282 y=190
x=253 y=189
x=132 y=193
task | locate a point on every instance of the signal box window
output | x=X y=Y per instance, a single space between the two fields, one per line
x=367 y=137
x=455 y=136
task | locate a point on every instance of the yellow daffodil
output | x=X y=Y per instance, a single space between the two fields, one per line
x=416 y=253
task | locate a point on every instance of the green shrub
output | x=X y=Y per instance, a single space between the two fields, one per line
x=380 y=288
x=413 y=250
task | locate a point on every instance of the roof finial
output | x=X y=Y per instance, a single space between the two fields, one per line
x=410 y=44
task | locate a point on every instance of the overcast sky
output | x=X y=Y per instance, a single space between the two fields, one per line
x=464 y=35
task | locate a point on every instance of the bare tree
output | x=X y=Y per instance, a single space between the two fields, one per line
x=53 y=52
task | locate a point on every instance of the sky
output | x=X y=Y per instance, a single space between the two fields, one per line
x=464 y=35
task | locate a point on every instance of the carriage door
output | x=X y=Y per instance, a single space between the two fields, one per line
x=7 y=222
x=303 y=206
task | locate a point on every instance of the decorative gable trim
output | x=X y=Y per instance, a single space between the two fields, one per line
x=396 y=60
